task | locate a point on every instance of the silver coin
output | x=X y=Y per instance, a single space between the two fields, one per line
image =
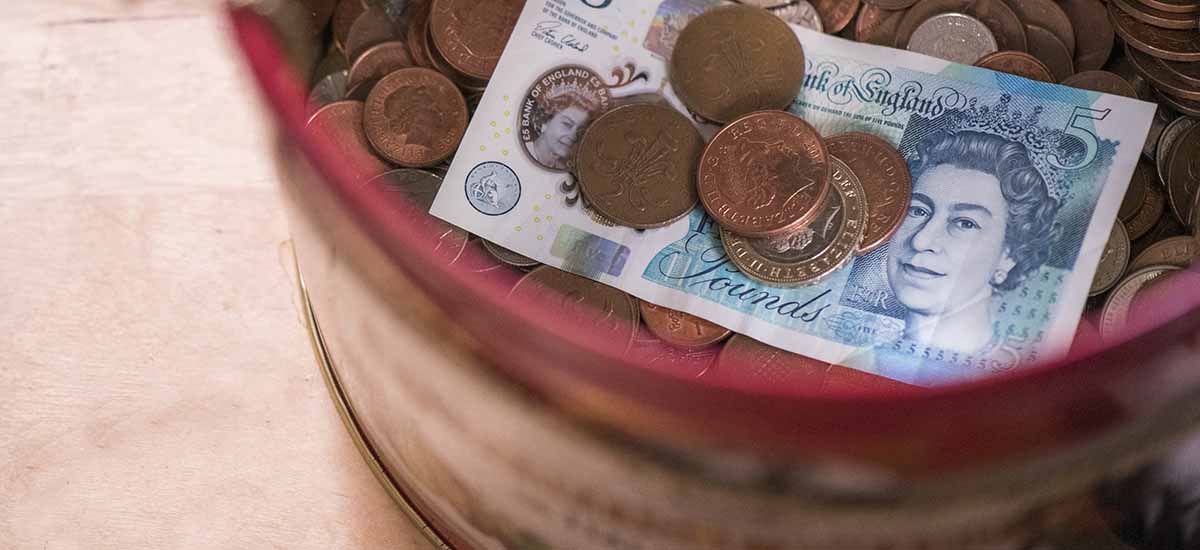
x=329 y=89
x=1169 y=134
x=1162 y=117
x=954 y=37
x=800 y=13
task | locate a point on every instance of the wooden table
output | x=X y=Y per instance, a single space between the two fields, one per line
x=158 y=388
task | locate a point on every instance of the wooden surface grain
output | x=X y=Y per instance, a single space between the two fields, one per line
x=157 y=388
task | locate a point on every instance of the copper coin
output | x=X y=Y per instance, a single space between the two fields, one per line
x=637 y=165
x=1113 y=260
x=340 y=125
x=417 y=31
x=556 y=110
x=471 y=34
x=1017 y=63
x=379 y=61
x=995 y=14
x=1166 y=141
x=835 y=14
x=1094 y=33
x=1175 y=45
x=1189 y=107
x=1101 y=81
x=886 y=183
x=816 y=250
x=344 y=16
x=420 y=188
x=1147 y=217
x=953 y=37
x=749 y=364
x=372 y=27
x=734 y=60
x=415 y=117
x=601 y=309
x=1135 y=194
x=1183 y=174
x=1179 y=251
x=439 y=63
x=891 y=5
x=877 y=26
x=1163 y=77
x=681 y=329
x=1174 y=6
x=508 y=256
x=1048 y=15
x=1157 y=18
x=1051 y=51
x=1120 y=303
x=649 y=351
x=765 y=174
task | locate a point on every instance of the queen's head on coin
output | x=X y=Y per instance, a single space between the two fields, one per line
x=556 y=111
x=981 y=219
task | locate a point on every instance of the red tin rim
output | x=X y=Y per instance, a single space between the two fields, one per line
x=918 y=431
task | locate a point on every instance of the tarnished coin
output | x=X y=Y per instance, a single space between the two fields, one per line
x=801 y=13
x=1135 y=194
x=681 y=329
x=1113 y=260
x=344 y=16
x=420 y=188
x=1101 y=81
x=1179 y=251
x=471 y=34
x=1157 y=18
x=601 y=309
x=508 y=256
x=340 y=124
x=417 y=32
x=876 y=25
x=886 y=183
x=372 y=27
x=415 y=117
x=747 y=363
x=1166 y=141
x=1174 y=6
x=1152 y=209
x=1017 y=63
x=637 y=165
x=1051 y=51
x=1171 y=44
x=1048 y=15
x=1189 y=107
x=953 y=37
x=734 y=60
x=1000 y=19
x=1094 y=33
x=1183 y=174
x=815 y=251
x=379 y=61
x=1117 y=309
x=328 y=90
x=836 y=14
x=1163 y=76
x=765 y=174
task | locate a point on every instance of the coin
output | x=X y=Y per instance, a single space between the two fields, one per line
x=1189 y=107
x=637 y=165
x=340 y=124
x=765 y=174
x=1003 y=23
x=1164 y=77
x=1117 y=308
x=508 y=256
x=417 y=31
x=606 y=312
x=734 y=60
x=1148 y=214
x=1135 y=194
x=475 y=259
x=953 y=37
x=1175 y=6
x=1177 y=251
x=1158 y=18
x=801 y=13
x=439 y=64
x=681 y=329
x=379 y=61
x=892 y=5
x=1017 y=63
x=1101 y=81
x=332 y=62
x=835 y=14
x=1167 y=140
x=815 y=251
x=749 y=364
x=1113 y=260
x=1175 y=45
x=328 y=90
x=1051 y=51
x=1183 y=174
x=886 y=183
x=1094 y=33
x=420 y=188
x=344 y=16
x=649 y=351
x=1049 y=16
x=471 y=34
x=415 y=117
x=372 y=27
x=877 y=26
x=1166 y=227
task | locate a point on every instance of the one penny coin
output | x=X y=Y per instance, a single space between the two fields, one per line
x=1183 y=174
x=636 y=165
x=1000 y=19
x=601 y=309
x=953 y=37
x=817 y=250
x=379 y=61
x=372 y=27
x=1051 y=51
x=835 y=14
x=1179 y=251
x=734 y=60
x=344 y=15
x=1101 y=81
x=1048 y=15
x=1017 y=63
x=747 y=363
x=1158 y=18
x=1171 y=44
x=340 y=125
x=417 y=32
x=765 y=174
x=886 y=183
x=1094 y=36
x=420 y=188
x=471 y=34
x=1135 y=194
x=876 y=25
x=415 y=117
x=439 y=63
x=1120 y=303
x=1113 y=260
x=681 y=329
x=1147 y=217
